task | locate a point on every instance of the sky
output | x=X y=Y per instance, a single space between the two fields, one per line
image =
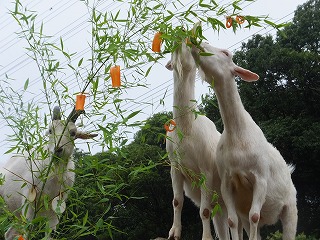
x=69 y=19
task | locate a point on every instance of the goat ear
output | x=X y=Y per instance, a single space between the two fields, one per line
x=56 y=114
x=169 y=65
x=83 y=135
x=245 y=74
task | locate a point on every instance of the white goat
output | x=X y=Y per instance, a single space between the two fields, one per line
x=192 y=149
x=256 y=181
x=26 y=179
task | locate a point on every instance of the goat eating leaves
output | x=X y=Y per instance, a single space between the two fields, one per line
x=30 y=182
x=192 y=148
x=256 y=181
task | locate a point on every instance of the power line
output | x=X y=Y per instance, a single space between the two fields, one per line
x=163 y=88
x=82 y=25
x=23 y=61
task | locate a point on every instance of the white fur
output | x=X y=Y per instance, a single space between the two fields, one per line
x=256 y=181
x=23 y=171
x=192 y=148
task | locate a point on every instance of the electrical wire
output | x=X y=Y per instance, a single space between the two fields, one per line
x=160 y=88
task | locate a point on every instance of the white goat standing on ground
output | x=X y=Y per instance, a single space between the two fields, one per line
x=193 y=153
x=26 y=179
x=256 y=181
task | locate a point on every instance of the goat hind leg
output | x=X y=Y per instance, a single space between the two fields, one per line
x=289 y=219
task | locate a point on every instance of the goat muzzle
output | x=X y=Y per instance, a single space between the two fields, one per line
x=73 y=116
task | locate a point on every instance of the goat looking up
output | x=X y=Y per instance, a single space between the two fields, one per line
x=193 y=153
x=28 y=180
x=256 y=182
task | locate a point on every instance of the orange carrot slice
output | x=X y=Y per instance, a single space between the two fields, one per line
x=156 y=43
x=167 y=126
x=229 y=22
x=80 y=100
x=240 y=19
x=115 y=76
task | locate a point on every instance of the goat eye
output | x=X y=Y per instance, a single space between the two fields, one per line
x=73 y=133
x=50 y=131
x=225 y=53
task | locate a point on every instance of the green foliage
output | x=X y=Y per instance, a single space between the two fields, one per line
x=303 y=34
x=278 y=236
x=153 y=132
x=120 y=191
x=209 y=107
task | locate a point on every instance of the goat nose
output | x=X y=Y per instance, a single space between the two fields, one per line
x=58 y=150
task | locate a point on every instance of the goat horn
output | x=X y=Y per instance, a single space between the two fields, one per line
x=56 y=114
x=74 y=115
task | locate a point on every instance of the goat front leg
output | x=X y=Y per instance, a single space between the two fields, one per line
x=178 y=198
x=258 y=199
x=245 y=225
x=220 y=223
x=205 y=212
x=233 y=221
x=53 y=221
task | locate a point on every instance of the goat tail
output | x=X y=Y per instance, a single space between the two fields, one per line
x=291 y=167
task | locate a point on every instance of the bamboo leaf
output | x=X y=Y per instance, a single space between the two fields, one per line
x=85 y=219
x=131 y=115
x=215 y=210
x=26 y=84
x=80 y=62
x=205 y=54
x=61 y=43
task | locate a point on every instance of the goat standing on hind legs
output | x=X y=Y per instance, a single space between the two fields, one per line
x=28 y=180
x=192 y=148
x=256 y=181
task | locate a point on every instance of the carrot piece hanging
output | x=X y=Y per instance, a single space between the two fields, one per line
x=80 y=100
x=229 y=22
x=188 y=42
x=156 y=43
x=115 y=76
x=168 y=124
x=240 y=19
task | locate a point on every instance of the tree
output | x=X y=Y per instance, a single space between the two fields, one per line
x=153 y=132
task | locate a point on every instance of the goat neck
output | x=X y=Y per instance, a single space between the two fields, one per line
x=220 y=71
x=233 y=113
x=184 y=73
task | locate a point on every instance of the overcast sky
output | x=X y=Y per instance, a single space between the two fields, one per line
x=69 y=19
